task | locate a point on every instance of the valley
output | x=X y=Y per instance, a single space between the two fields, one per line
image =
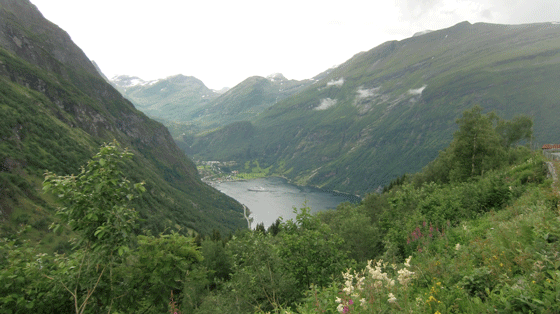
x=129 y=196
x=383 y=113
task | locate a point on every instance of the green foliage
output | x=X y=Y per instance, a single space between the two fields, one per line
x=313 y=253
x=259 y=278
x=362 y=238
x=216 y=261
x=476 y=145
x=95 y=207
x=515 y=130
x=25 y=284
x=95 y=201
x=165 y=264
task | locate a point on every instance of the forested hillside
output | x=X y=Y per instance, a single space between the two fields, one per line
x=56 y=111
x=390 y=110
x=476 y=231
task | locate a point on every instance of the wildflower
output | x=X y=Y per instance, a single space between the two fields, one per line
x=350 y=302
x=407 y=261
x=457 y=247
x=340 y=308
x=437 y=312
x=404 y=276
x=363 y=302
x=392 y=298
x=338 y=300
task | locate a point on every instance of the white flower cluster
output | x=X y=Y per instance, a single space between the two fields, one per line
x=392 y=298
x=378 y=275
x=369 y=285
x=349 y=286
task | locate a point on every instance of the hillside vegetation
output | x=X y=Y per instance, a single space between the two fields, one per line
x=55 y=113
x=388 y=111
x=458 y=237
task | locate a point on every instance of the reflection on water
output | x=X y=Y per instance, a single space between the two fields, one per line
x=270 y=198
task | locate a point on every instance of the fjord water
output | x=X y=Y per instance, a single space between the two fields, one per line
x=270 y=198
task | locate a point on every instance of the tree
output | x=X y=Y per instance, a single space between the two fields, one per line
x=96 y=207
x=165 y=265
x=313 y=253
x=476 y=145
x=258 y=279
x=515 y=130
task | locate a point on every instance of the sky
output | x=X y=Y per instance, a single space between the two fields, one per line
x=223 y=42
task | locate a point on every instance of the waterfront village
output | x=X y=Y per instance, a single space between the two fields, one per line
x=212 y=172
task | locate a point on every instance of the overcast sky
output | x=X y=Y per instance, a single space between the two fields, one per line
x=222 y=42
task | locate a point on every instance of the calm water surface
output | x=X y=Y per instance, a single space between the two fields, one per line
x=270 y=198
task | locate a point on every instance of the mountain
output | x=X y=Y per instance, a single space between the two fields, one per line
x=247 y=100
x=99 y=71
x=176 y=97
x=55 y=112
x=186 y=99
x=388 y=111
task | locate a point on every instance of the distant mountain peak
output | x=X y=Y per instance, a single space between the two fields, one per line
x=126 y=81
x=276 y=77
x=424 y=32
x=221 y=91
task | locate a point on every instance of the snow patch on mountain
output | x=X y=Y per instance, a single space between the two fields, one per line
x=125 y=81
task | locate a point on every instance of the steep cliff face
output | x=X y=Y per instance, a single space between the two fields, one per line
x=49 y=81
x=33 y=38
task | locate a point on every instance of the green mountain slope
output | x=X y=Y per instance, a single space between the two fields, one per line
x=177 y=97
x=187 y=107
x=55 y=112
x=390 y=110
x=247 y=100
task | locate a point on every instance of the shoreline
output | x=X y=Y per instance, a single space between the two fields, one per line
x=213 y=183
x=245 y=215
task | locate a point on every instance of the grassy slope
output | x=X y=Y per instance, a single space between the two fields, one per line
x=504 y=260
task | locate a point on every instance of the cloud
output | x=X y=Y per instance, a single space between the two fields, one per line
x=437 y=14
x=365 y=93
x=417 y=91
x=486 y=14
x=326 y=103
x=336 y=83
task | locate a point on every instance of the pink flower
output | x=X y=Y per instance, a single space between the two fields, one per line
x=350 y=302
